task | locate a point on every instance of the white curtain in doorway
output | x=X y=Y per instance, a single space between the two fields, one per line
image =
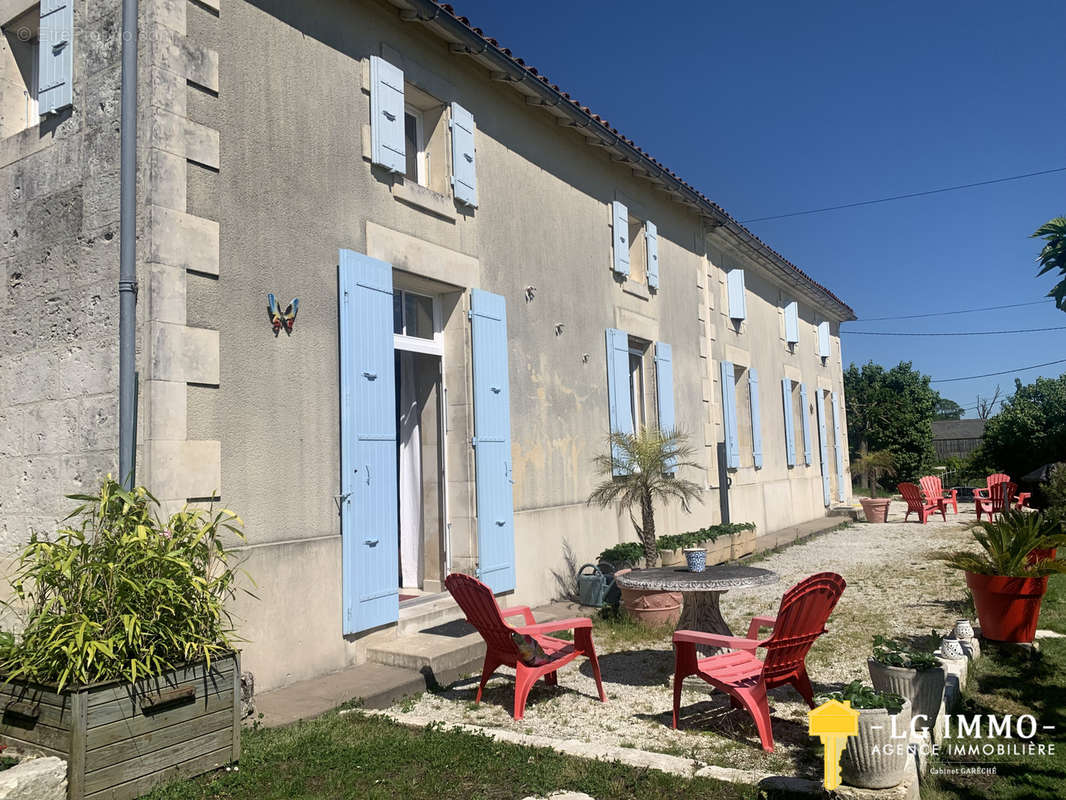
x=410 y=476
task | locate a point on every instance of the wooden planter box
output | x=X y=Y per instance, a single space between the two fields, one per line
x=120 y=740
x=743 y=544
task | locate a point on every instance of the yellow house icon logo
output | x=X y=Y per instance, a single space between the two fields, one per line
x=833 y=722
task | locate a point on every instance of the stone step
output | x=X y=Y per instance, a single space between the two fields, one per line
x=441 y=656
x=427 y=612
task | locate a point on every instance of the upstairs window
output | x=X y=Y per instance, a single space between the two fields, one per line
x=19 y=70
x=415 y=147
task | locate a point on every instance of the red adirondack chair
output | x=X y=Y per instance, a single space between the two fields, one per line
x=1000 y=496
x=933 y=488
x=991 y=481
x=924 y=506
x=484 y=613
x=800 y=620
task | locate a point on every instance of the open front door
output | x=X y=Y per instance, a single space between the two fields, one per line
x=369 y=523
x=492 y=441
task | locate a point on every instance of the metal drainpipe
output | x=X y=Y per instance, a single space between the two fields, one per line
x=127 y=279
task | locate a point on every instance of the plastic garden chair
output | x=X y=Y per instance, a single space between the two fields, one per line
x=484 y=613
x=933 y=488
x=800 y=620
x=991 y=481
x=923 y=506
x=999 y=499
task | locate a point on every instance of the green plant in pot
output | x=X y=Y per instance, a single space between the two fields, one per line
x=1007 y=579
x=874 y=759
x=640 y=470
x=118 y=611
x=910 y=673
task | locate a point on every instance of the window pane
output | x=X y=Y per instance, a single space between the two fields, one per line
x=419 y=315
x=412 y=145
x=397 y=312
x=636 y=390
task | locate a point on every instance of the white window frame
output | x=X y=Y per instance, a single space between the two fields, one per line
x=636 y=389
x=421 y=156
x=416 y=344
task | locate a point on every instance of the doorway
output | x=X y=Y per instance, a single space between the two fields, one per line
x=420 y=436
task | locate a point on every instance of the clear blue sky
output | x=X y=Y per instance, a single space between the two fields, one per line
x=774 y=107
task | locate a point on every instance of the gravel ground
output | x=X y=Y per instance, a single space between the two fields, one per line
x=893 y=587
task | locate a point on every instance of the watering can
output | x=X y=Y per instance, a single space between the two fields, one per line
x=593 y=587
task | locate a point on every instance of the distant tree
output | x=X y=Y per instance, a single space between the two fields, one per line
x=985 y=407
x=1030 y=429
x=891 y=410
x=1053 y=256
x=948 y=409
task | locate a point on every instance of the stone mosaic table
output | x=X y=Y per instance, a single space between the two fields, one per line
x=701 y=592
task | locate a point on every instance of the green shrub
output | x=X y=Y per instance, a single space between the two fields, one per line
x=676 y=541
x=119 y=595
x=624 y=554
x=862 y=696
x=893 y=653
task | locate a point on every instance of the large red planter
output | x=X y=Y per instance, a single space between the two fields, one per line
x=1008 y=608
x=1039 y=555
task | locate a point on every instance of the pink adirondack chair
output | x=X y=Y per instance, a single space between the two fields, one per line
x=484 y=613
x=1000 y=496
x=923 y=506
x=800 y=620
x=933 y=487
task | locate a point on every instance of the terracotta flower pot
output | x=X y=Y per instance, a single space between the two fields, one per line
x=875 y=508
x=1008 y=608
x=652 y=608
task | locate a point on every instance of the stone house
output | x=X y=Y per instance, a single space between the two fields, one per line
x=490 y=278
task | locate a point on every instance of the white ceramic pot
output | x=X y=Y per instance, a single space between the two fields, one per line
x=963 y=629
x=950 y=647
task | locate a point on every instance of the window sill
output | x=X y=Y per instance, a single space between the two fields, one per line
x=425 y=199
x=23 y=143
x=636 y=289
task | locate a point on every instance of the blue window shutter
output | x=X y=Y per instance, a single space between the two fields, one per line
x=790 y=436
x=387 y=146
x=651 y=235
x=756 y=422
x=664 y=385
x=620 y=227
x=729 y=415
x=823 y=450
x=823 y=339
x=805 y=422
x=55 y=65
x=618 y=401
x=492 y=443
x=369 y=516
x=464 y=165
x=792 y=323
x=839 y=447
x=737 y=303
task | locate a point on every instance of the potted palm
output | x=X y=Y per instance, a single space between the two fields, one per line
x=639 y=470
x=1007 y=581
x=874 y=758
x=910 y=673
x=125 y=646
x=873 y=466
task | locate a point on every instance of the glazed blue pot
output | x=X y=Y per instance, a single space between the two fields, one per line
x=696 y=558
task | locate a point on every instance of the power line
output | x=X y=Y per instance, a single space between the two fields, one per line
x=1004 y=372
x=953 y=333
x=905 y=196
x=950 y=313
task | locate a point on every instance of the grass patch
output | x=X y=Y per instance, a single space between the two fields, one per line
x=367 y=757
x=1002 y=683
x=1053 y=609
x=615 y=630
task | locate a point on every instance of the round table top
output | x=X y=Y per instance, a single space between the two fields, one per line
x=719 y=578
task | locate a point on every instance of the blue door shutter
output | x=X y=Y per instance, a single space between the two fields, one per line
x=387 y=146
x=620 y=227
x=756 y=422
x=792 y=323
x=823 y=450
x=823 y=339
x=805 y=423
x=369 y=516
x=664 y=385
x=55 y=57
x=492 y=442
x=729 y=415
x=464 y=166
x=790 y=436
x=839 y=447
x=619 y=406
x=651 y=235
x=737 y=302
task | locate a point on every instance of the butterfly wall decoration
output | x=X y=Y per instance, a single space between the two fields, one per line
x=282 y=318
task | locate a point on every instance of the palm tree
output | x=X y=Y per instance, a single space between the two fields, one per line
x=640 y=469
x=1053 y=256
x=873 y=465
